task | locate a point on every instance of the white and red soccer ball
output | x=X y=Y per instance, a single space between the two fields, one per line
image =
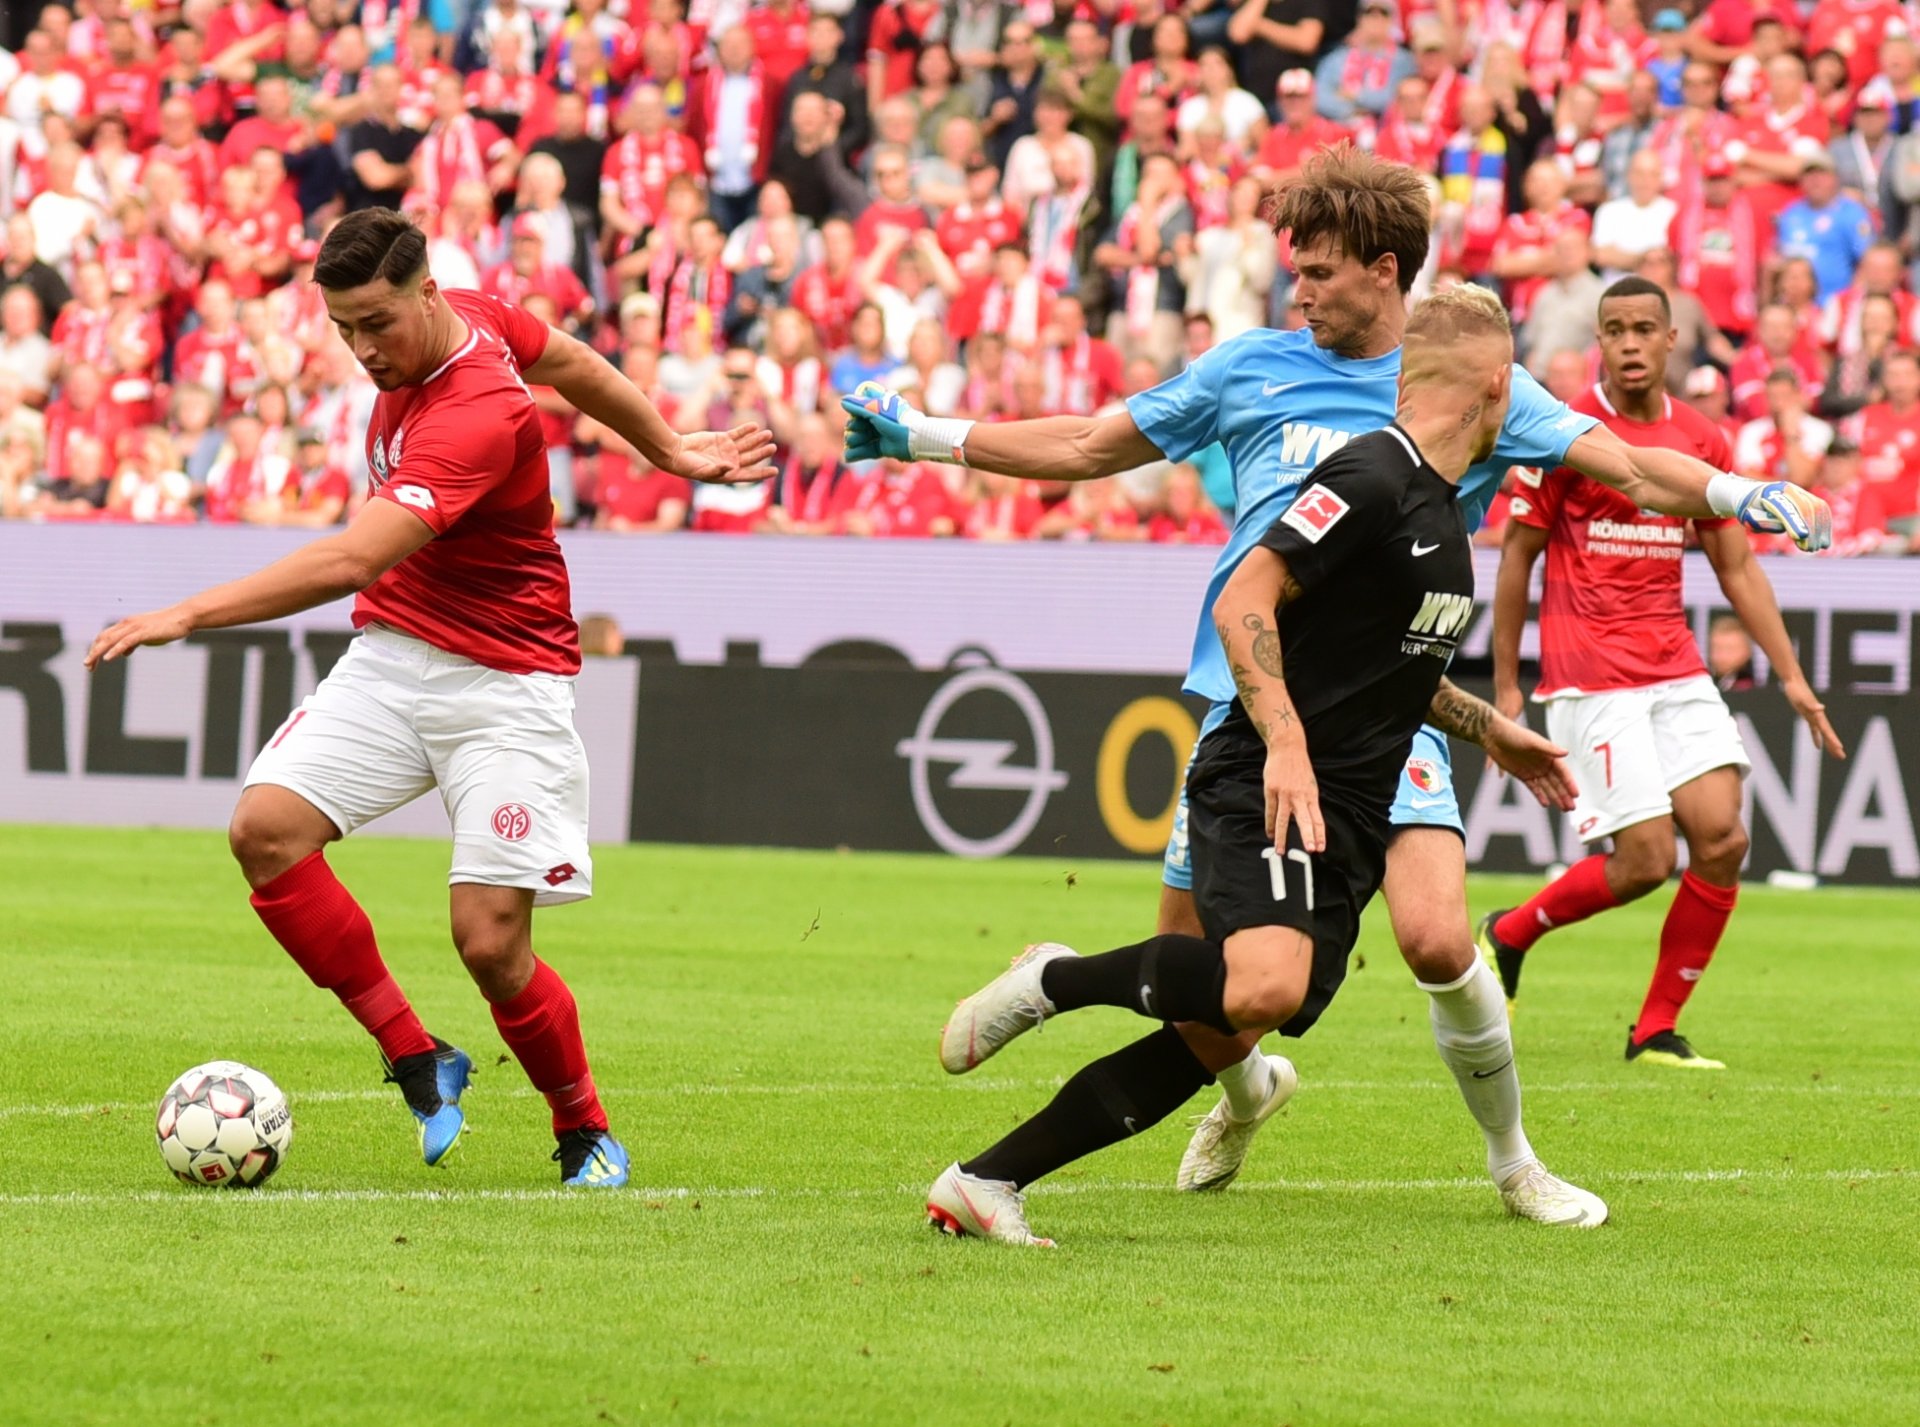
x=223 y=1125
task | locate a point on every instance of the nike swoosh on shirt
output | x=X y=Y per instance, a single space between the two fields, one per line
x=1419 y=549
x=1275 y=388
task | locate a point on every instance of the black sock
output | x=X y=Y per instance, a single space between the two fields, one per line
x=1114 y=1097
x=1170 y=978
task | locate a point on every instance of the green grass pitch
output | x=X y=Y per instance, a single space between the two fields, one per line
x=763 y=1024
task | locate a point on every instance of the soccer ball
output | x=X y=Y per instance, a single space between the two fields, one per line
x=223 y=1124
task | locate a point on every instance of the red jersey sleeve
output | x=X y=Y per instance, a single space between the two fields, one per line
x=525 y=335
x=1538 y=505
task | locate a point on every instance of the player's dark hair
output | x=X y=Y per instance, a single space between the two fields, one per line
x=1369 y=206
x=371 y=244
x=1639 y=287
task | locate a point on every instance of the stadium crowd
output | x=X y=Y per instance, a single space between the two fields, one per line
x=1005 y=210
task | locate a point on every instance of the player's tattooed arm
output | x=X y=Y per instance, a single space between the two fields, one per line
x=1246 y=617
x=1457 y=712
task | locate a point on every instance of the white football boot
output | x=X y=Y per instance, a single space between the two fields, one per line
x=1220 y=1143
x=1534 y=1193
x=1005 y=1007
x=967 y=1206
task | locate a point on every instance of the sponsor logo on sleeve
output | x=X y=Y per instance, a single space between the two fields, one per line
x=419 y=497
x=1316 y=512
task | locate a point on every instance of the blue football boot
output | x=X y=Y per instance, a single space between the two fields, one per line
x=591 y=1159
x=433 y=1083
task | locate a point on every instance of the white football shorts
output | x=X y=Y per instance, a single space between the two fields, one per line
x=397 y=717
x=1630 y=748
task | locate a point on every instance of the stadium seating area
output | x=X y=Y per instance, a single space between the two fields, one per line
x=1007 y=210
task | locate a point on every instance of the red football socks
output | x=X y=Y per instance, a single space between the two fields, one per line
x=329 y=937
x=541 y=1026
x=1573 y=896
x=1687 y=941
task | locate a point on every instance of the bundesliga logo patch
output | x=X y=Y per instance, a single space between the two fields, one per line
x=1316 y=512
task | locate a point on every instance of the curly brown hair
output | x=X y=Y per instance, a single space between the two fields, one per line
x=1369 y=206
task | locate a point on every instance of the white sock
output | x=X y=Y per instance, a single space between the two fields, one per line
x=1470 y=1028
x=1247 y=1085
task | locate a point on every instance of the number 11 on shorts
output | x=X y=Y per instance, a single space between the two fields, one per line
x=1277 y=870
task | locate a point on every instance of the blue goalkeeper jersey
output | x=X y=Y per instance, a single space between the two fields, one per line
x=1279 y=405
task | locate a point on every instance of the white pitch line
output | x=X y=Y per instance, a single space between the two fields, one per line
x=1661 y=1085
x=643 y=1195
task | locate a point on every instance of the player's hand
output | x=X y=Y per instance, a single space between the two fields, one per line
x=1536 y=761
x=1782 y=508
x=880 y=423
x=1807 y=704
x=739 y=457
x=161 y=626
x=1293 y=795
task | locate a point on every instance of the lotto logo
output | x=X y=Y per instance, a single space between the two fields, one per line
x=1316 y=512
x=511 y=822
x=419 y=497
x=1587 y=825
x=565 y=872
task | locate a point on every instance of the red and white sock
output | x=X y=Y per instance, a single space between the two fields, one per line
x=541 y=1026
x=329 y=937
x=1692 y=930
x=1573 y=896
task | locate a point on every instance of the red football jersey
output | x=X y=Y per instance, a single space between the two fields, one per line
x=463 y=450
x=1611 y=615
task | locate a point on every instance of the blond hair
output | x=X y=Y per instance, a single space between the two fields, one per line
x=1460 y=313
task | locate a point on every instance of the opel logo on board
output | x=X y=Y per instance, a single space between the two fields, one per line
x=981 y=763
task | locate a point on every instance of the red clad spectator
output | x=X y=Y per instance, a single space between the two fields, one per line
x=1854 y=29
x=790 y=372
x=633 y=496
x=246 y=472
x=1185 y=518
x=186 y=74
x=700 y=280
x=1405 y=133
x=182 y=145
x=1771 y=148
x=506 y=88
x=1879 y=274
x=1013 y=302
x=272 y=125
x=898 y=32
x=637 y=169
x=527 y=273
x=1776 y=345
x=1888 y=435
x=779 y=32
x=1083 y=373
x=971 y=232
x=137 y=255
x=251 y=236
x=122 y=83
x=1724 y=29
x=1783 y=442
x=80 y=331
x=459 y=148
x=1716 y=240
x=893 y=499
x=1006 y=509
x=420 y=69
x=618 y=43
x=245 y=29
x=1300 y=133
x=1473 y=187
x=80 y=410
x=893 y=207
x=216 y=354
x=830 y=292
x=1577 y=141
x=1211 y=174
x=1707 y=393
x=1609 y=44
x=1523 y=254
x=811 y=479
x=736 y=97
x=1167 y=72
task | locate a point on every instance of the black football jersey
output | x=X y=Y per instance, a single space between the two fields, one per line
x=1378 y=544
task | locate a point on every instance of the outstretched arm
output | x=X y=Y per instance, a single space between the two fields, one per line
x=1247 y=617
x=382 y=535
x=1750 y=592
x=1052 y=448
x=597 y=389
x=1655 y=478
